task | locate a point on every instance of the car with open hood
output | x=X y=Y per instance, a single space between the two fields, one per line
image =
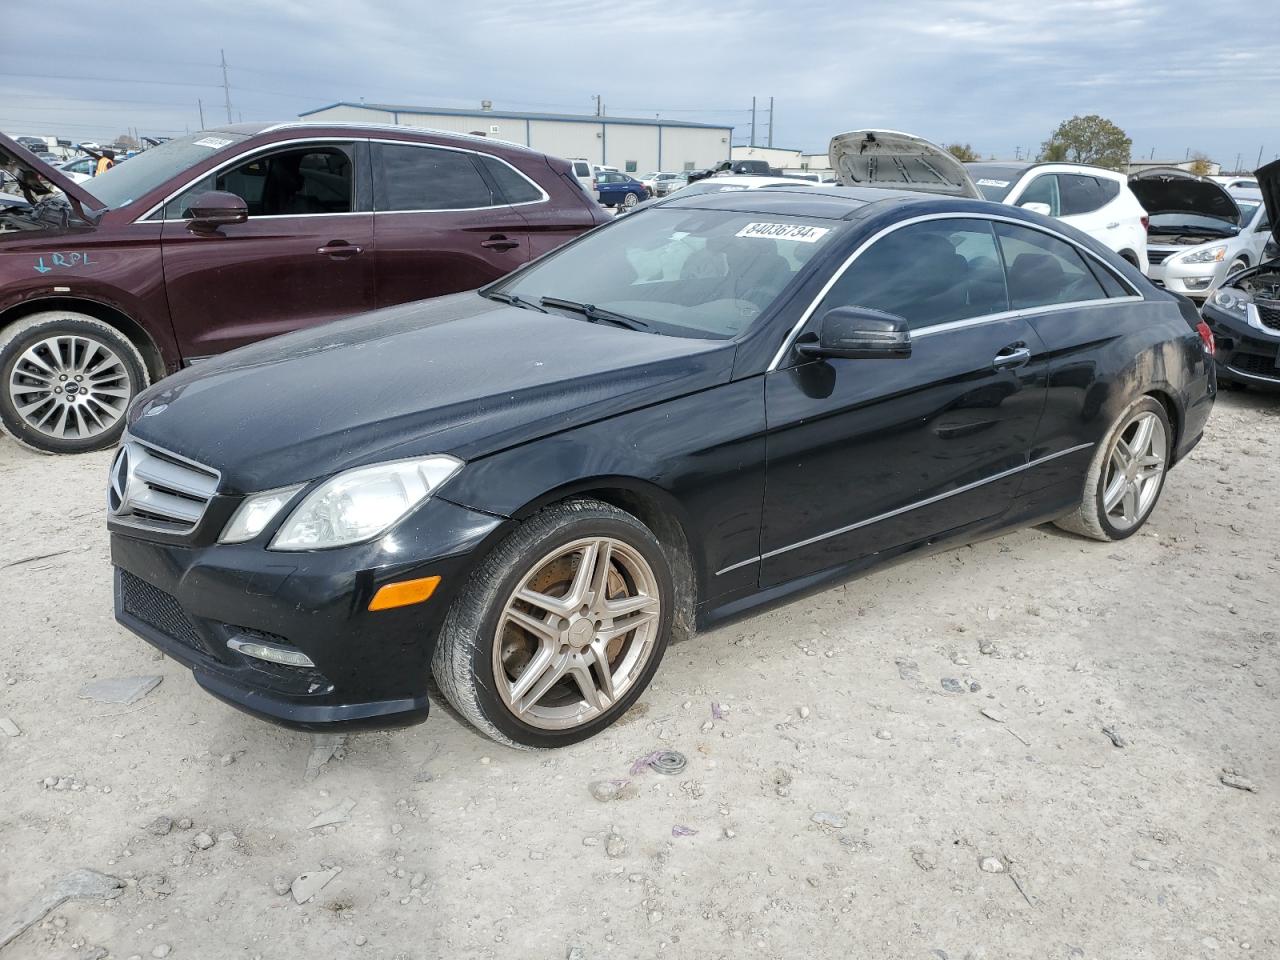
x=720 y=401
x=211 y=241
x=1244 y=312
x=1200 y=232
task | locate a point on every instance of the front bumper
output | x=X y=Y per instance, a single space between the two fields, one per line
x=371 y=668
x=1194 y=280
x=1248 y=350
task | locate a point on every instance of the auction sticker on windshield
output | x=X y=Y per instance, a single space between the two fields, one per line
x=993 y=183
x=784 y=231
x=215 y=142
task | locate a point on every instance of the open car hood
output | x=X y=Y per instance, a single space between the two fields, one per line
x=898 y=161
x=1269 y=183
x=39 y=178
x=1170 y=190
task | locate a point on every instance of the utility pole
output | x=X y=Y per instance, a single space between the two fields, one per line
x=200 y=107
x=753 y=121
x=226 y=87
x=771 y=121
x=599 y=105
x=1237 y=166
x=1259 y=158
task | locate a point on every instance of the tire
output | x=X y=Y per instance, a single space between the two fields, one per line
x=68 y=345
x=630 y=200
x=481 y=656
x=1238 y=264
x=1106 y=471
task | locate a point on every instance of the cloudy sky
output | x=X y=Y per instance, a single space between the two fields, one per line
x=1175 y=75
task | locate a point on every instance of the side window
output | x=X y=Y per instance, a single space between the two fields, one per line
x=1043 y=189
x=426 y=178
x=929 y=273
x=1081 y=194
x=580 y=169
x=297 y=182
x=514 y=186
x=1043 y=270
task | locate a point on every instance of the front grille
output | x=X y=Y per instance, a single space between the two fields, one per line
x=1255 y=364
x=1270 y=316
x=1156 y=257
x=157 y=610
x=158 y=490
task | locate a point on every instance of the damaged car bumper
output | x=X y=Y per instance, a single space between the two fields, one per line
x=290 y=637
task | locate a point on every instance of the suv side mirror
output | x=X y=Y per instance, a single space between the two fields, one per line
x=215 y=209
x=1041 y=208
x=858 y=333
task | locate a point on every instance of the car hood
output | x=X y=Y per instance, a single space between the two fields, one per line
x=460 y=375
x=1269 y=185
x=31 y=170
x=899 y=161
x=1170 y=190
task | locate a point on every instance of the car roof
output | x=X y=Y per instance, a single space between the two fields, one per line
x=1020 y=167
x=351 y=129
x=822 y=202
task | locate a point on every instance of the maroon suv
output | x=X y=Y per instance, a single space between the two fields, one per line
x=218 y=239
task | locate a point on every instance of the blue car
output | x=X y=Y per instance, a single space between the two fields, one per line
x=620 y=189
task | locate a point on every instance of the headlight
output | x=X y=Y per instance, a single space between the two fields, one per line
x=1209 y=255
x=1231 y=299
x=253 y=515
x=362 y=503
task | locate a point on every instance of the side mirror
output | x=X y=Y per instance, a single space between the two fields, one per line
x=1041 y=208
x=1272 y=250
x=858 y=333
x=215 y=209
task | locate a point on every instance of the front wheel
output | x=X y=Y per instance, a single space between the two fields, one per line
x=560 y=629
x=1126 y=475
x=66 y=380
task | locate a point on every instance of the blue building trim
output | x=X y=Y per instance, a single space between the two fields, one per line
x=516 y=115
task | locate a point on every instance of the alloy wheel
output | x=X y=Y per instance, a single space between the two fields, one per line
x=1135 y=470
x=69 y=387
x=630 y=200
x=577 y=633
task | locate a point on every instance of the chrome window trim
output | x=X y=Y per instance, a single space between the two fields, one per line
x=808 y=312
x=928 y=501
x=302 y=141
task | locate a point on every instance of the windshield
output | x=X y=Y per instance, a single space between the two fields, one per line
x=133 y=178
x=994 y=182
x=704 y=274
x=1190 y=223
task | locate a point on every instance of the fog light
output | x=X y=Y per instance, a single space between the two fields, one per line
x=1197 y=283
x=270 y=652
x=404 y=593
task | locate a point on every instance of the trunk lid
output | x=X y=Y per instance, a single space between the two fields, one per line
x=898 y=161
x=31 y=170
x=1269 y=183
x=1164 y=190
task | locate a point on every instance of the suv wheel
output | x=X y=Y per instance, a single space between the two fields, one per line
x=560 y=629
x=66 y=380
x=1126 y=475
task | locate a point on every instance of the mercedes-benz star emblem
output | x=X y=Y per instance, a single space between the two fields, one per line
x=118 y=492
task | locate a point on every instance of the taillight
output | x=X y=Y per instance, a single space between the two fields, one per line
x=1206 y=335
x=594 y=184
x=1146 y=224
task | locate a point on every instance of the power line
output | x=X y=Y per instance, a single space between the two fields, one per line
x=58 y=76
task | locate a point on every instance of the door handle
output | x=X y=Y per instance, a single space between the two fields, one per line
x=1112 y=226
x=339 y=250
x=1014 y=355
x=499 y=242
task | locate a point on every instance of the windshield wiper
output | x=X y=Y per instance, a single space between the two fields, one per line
x=596 y=314
x=513 y=299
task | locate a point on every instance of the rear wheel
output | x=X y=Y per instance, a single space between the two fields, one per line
x=560 y=629
x=66 y=380
x=1126 y=475
x=630 y=200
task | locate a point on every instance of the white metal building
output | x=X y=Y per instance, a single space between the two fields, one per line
x=632 y=144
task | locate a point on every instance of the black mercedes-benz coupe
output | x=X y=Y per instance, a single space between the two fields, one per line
x=718 y=402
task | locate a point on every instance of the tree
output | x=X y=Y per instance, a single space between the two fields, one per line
x=1201 y=165
x=127 y=141
x=962 y=152
x=1093 y=139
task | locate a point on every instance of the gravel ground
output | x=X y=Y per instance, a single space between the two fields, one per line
x=913 y=765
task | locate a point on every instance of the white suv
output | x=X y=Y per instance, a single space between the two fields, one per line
x=1096 y=201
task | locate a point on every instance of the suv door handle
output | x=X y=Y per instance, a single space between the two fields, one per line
x=339 y=250
x=1014 y=355
x=1112 y=226
x=499 y=242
